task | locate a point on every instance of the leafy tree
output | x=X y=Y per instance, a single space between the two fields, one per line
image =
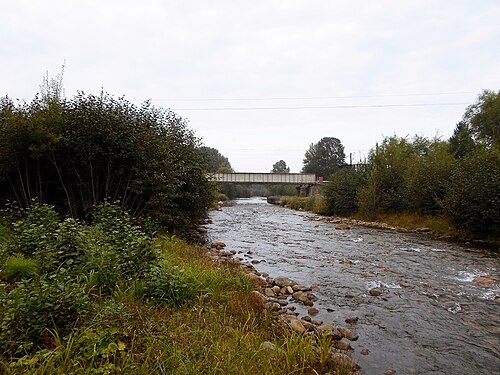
x=341 y=193
x=77 y=153
x=473 y=200
x=461 y=142
x=428 y=177
x=216 y=162
x=483 y=118
x=280 y=167
x=324 y=158
x=386 y=188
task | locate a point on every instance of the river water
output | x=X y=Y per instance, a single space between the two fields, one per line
x=432 y=317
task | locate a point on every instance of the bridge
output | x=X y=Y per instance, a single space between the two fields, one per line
x=265 y=178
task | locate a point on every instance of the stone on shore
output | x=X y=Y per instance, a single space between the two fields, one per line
x=283 y=281
x=343 y=359
x=297 y=326
x=257 y=280
x=312 y=310
x=347 y=333
x=258 y=297
x=375 y=292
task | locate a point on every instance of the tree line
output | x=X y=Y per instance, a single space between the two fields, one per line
x=76 y=153
x=458 y=178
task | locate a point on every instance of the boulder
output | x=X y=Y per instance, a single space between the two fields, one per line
x=300 y=288
x=258 y=297
x=375 y=292
x=312 y=310
x=347 y=333
x=269 y=292
x=343 y=359
x=283 y=281
x=217 y=245
x=257 y=280
x=342 y=345
x=297 y=326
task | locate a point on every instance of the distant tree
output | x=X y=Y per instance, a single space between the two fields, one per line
x=216 y=162
x=280 y=167
x=461 y=142
x=325 y=157
x=483 y=118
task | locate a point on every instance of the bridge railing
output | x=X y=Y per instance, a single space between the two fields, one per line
x=265 y=178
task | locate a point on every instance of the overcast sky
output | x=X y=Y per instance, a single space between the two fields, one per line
x=262 y=80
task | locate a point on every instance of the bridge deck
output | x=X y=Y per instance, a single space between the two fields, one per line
x=265 y=178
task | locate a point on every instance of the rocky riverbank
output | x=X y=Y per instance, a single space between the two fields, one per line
x=283 y=297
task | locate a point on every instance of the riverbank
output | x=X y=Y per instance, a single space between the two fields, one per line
x=435 y=227
x=194 y=310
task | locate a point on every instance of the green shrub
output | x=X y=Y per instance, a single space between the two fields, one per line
x=33 y=233
x=341 y=193
x=35 y=307
x=166 y=285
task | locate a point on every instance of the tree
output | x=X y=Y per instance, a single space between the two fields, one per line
x=483 y=118
x=324 y=158
x=461 y=142
x=280 y=167
x=216 y=162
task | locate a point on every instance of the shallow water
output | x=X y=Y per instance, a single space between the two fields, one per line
x=431 y=319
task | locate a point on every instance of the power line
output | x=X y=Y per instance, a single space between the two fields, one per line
x=319 y=107
x=313 y=97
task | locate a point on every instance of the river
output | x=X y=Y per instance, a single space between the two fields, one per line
x=431 y=319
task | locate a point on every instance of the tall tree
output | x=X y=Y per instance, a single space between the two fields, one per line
x=325 y=157
x=216 y=162
x=461 y=142
x=280 y=167
x=483 y=118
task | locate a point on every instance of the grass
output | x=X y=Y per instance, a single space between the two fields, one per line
x=219 y=329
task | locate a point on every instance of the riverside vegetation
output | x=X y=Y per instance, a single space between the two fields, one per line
x=452 y=187
x=96 y=194
x=108 y=298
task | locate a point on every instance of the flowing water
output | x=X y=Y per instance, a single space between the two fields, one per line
x=432 y=317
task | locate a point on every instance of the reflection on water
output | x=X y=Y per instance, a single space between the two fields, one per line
x=432 y=317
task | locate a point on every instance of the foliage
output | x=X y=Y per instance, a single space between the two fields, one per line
x=461 y=142
x=34 y=307
x=386 y=190
x=159 y=320
x=341 y=193
x=17 y=267
x=76 y=153
x=483 y=118
x=216 y=162
x=324 y=158
x=280 y=167
x=473 y=200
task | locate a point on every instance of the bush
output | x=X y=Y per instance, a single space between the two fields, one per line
x=34 y=307
x=341 y=193
x=166 y=285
